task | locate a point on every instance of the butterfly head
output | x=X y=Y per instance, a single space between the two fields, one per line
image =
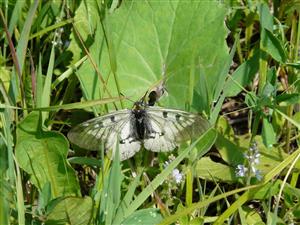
x=139 y=105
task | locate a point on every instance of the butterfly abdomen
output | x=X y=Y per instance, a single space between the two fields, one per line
x=140 y=122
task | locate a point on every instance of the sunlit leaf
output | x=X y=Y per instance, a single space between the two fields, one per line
x=42 y=154
x=180 y=35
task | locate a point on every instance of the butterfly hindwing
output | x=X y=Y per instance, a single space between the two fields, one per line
x=107 y=130
x=168 y=127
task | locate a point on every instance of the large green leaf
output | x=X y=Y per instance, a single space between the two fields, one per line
x=188 y=37
x=42 y=154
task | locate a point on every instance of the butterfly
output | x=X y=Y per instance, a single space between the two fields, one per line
x=155 y=128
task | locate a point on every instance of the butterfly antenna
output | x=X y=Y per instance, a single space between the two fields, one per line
x=160 y=82
x=144 y=97
x=127 y=98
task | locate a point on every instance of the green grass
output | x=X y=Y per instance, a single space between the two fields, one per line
x=235 y=62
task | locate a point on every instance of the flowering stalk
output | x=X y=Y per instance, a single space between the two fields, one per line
x=57 y=37
x=250 y=170
x=176 y=176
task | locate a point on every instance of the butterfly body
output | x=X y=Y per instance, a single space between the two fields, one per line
x=157 y=129
x=140 y=122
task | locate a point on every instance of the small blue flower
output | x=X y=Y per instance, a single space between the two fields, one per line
x=258 y=175
x=252 y=157
x=256 y=157
x=241 y=170
x=177 y=176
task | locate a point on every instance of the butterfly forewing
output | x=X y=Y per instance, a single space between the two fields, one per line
x=107 y=130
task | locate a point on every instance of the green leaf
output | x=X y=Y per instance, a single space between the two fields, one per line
x=230 y=152
x=21 y=49
x=46 y=31
x=5 y=76
x=23 y=41
x=288 y=99
x=196 y=221
x=128 y=197
x=180 y=35
x=184 y=219
x=272 y=76
x=210 y=170
x=268 y=190
x=15 y=15
x=144 y=216
x=251 y=100
x=268 y=133
x=296 y=116
x=291 y=195
x=71 y=210
x=44 y=197
x=267 y=96
x=45 y=101
x=85 y=161
x=294 y=65
x=39 y=85
x=77 y=105
x=296 y=211
x=85 y=22
x=224 y=128
x=242 y=76
x=292 y=121
x=270 y=158
x=112 y=193
x=4 y=199
x=266 y=18
x=273 y=46
x=203 y=90
x=250 y=215
x=42 y=154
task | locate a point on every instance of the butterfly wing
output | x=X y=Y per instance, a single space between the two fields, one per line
x=168 y=127
x=107 y=130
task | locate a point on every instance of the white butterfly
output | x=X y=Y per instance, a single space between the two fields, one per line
x=157 y=129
